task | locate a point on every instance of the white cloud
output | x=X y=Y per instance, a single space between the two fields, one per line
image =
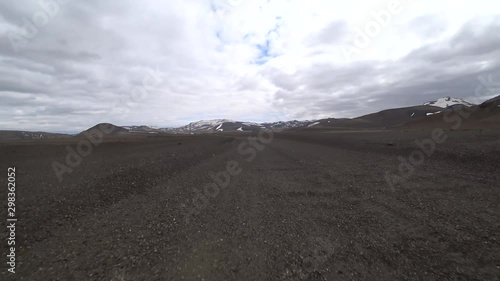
x=236 y=59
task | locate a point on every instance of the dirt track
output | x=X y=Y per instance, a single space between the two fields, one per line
x=308 y=207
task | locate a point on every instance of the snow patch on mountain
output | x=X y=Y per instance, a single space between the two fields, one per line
x=204 y=125
x=209 y=123
x=250 y=124
x=448 y=101
x=433 y=113
x=281 y=125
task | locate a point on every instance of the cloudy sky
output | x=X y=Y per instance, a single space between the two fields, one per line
x=67 y=65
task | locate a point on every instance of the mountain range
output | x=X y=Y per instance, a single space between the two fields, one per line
x=429 y=115
x=386 y=119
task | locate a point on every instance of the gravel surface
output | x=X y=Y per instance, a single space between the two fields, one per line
x=307 y=207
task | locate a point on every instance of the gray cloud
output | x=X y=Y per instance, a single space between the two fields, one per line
x=334 y=33
x=87 y=60
x=450 y=68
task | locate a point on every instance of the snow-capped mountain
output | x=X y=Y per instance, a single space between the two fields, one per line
x=282 y=125
x=448 y=102
x=142 y=128
x=388 y=118
x=225 y=125
x=204 y=126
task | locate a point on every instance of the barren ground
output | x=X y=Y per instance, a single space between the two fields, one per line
x=310 y=206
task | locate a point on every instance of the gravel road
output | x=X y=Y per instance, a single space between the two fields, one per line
x=306 y=207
